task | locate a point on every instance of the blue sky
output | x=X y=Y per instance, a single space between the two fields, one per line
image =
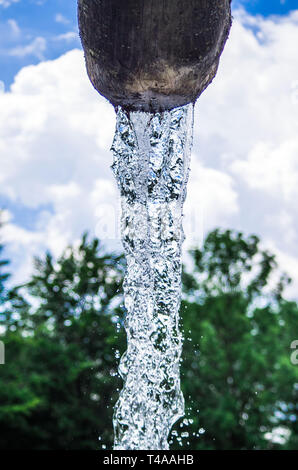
x=267 y=7
x=55 y=178
x=24 y=21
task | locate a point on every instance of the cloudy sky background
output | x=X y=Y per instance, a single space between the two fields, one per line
x=55 y=135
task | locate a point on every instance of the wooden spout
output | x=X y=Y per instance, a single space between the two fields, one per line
x=153 y=55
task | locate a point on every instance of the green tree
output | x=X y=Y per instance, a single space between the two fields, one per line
x=60 y=383
x=59 y=379
x=237 y=374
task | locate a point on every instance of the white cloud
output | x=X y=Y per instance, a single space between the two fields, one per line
x=211 y=201
x=15 y=29
x=35 y=48
x=272 y=169
x=55 y=151
x=55 y=135
x=248 y=126
x=7 y=3
x=59 y=18
x=70 y=36
x=10 y=33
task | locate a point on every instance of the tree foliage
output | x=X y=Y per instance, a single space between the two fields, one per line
x=59 y=377
x=237 y=369
x=64 y=330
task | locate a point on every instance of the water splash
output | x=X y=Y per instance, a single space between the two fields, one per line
x=151 y=165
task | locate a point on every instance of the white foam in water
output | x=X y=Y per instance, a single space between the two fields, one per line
x=151 y=165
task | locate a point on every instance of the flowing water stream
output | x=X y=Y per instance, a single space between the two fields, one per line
x=151 y=165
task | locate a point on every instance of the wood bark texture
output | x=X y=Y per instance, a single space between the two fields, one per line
x=153 y=55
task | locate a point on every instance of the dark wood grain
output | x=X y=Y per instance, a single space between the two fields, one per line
x=153 y=54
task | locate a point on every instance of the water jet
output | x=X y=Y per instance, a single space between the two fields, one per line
x=152 y=59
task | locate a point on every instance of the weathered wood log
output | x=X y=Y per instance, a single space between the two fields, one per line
x=153 y=55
